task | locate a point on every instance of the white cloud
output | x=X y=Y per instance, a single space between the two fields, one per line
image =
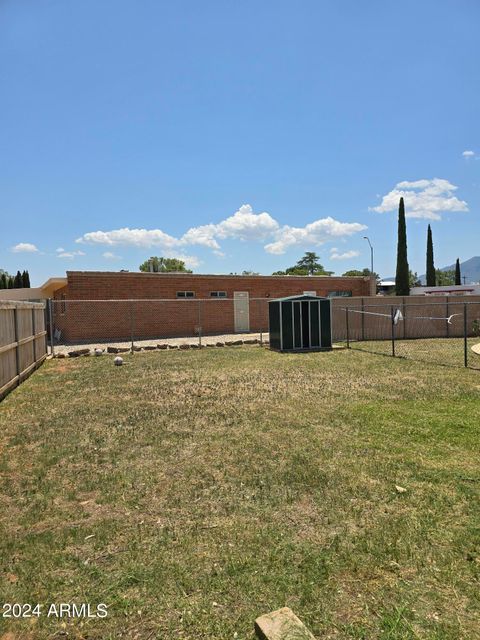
x=191 y=262
x=132 y=237
x=243 y=225
x=246 y=225
x=109 y=255
x=60 y=250
x=69 y=254
x=203 y=236
x=24 y=247
x=423 y=199
x=314 y=234
x=346 y=255
x=468 y=154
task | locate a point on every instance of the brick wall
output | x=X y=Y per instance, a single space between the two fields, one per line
x=103 y=306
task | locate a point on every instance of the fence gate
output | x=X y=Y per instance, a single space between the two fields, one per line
x=241 y=311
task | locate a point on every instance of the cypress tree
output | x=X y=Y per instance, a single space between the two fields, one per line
x=17 y=282
x=431 y=280
x=10 y=283
x=402 y=285
x=458 y=275
x=3 y=281
x=25 y=280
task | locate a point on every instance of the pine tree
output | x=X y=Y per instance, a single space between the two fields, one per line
x=25 y=280
x=10 y=283
x=17 y=282
x=458 y=275
x=431 y=280
x=402 y=287
x=3 y=281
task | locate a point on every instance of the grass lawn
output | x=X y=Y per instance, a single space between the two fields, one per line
x=444 y=351
x=194 y=491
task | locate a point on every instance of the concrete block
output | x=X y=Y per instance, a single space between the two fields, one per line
x=282 y=624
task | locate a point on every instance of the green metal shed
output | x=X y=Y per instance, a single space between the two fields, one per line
x=300 y=323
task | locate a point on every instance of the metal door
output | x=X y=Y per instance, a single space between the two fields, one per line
x=241 y=311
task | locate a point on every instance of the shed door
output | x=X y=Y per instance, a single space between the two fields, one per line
x=241 y=311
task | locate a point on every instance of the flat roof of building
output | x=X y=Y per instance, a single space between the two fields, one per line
x=201 y=275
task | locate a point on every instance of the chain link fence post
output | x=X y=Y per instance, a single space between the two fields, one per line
x=465 y=335
x=132 y=325
x=392 y=311
x=347 y=328
x=363 y=319
x=261 y=322
x=200 y=324
x=50 y=321
x=447 y=313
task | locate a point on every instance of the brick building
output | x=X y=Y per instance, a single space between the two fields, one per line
x=116 y=305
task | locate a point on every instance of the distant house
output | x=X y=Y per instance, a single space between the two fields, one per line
x=34 y=294
x=386 y=287
x=448 y=290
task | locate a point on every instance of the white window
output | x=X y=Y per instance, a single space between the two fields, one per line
x=185 y=294
x=218 y=294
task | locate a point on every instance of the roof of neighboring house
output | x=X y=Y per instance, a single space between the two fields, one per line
x=45 y=291
x=52 y=284
x=441 y=289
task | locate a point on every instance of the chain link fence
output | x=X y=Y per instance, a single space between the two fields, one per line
x=149 y=324
x=441 y=333
x=437 y=332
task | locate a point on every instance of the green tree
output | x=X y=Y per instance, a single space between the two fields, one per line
x=310 y=262
x=364 y=272
x=445 y=278
x=430 y=277
x=11 y=282
x=458 y=274
x=413 y=279
x=25 y=280
x=402 y=285
x=3 y=280
x=309 y=265
x=164 y=265
x=17 y=283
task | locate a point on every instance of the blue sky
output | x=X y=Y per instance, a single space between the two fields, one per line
x=238 y=134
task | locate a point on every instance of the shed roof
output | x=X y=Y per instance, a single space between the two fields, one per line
x=302 y=296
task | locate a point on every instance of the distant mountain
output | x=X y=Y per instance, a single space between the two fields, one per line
x=470 y=269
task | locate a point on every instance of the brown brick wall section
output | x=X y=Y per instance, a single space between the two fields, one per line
x=126 y=286
x=134 y=302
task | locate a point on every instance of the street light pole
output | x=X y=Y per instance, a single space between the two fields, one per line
x=373 y=283
x=371 y=254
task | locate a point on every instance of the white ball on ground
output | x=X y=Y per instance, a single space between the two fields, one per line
x=98 y=352
x=118 y=361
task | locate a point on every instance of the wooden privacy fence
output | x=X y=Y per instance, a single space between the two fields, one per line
x=23 y=341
